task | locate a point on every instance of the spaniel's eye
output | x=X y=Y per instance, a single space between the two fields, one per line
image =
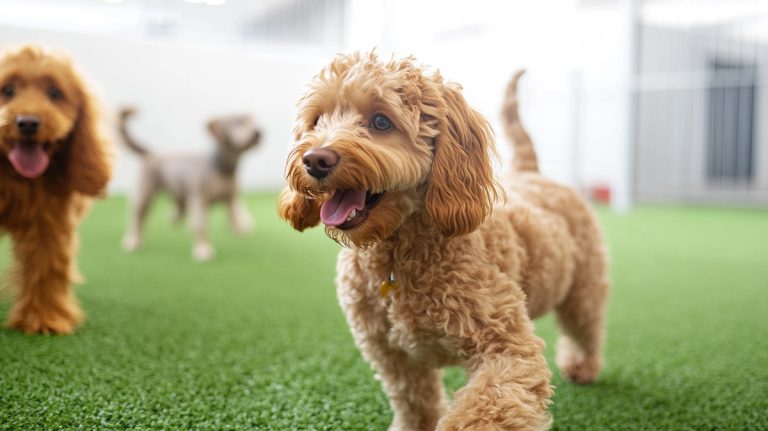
x=8 y=91
x=381 y=123
x=314 y=123
x=55 y=94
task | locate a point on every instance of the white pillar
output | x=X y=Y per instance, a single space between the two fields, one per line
x=577 y=101
x=622 y=201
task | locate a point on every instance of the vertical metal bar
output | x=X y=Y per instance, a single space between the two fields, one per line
x=625 y=187
x=577 y=94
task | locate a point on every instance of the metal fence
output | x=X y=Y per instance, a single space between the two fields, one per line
x=702 y=105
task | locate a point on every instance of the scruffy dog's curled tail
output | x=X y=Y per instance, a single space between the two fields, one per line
x=525 y=155
x=122 y=119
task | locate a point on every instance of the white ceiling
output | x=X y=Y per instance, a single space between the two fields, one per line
x=224 y=20
x=137 y=17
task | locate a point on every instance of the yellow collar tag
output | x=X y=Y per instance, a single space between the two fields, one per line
x=388 y=285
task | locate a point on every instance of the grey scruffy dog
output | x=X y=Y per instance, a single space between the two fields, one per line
x=194 y=181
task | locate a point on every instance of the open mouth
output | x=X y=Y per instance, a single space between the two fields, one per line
x=29 y=158
x=348 y=208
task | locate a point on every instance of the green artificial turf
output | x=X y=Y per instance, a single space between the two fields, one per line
x=256 y=340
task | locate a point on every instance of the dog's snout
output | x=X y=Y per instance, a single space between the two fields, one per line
x=319 y=162
x=27 y=124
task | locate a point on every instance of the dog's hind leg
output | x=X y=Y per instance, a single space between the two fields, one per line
x=202 y=250
x=239 y=218
x=179 y=210
x=133 y=237
x=581 y=319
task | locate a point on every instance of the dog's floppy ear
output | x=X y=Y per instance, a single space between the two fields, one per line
x=300 y=211
x=89 y=163
x=461 y=189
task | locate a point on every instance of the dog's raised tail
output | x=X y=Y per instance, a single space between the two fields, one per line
x=122 y=119
x=525 y=155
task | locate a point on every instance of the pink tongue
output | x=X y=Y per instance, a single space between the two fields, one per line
x=29 y=160
x=335 y=211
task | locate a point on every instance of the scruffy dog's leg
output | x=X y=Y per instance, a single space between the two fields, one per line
x=202 y=250
x=581 y=321
x=415 y=392
x=43 y=253
x=139 y=209
x=239 y=218
x=179 y=210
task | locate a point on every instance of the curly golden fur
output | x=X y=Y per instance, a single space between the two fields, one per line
x=469 y=277
x=55 y=158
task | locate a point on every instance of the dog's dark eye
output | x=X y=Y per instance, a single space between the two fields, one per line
x=8 y=91
x=55 y=94
x=381 y=123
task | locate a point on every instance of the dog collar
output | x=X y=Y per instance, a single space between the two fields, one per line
x=388 y=285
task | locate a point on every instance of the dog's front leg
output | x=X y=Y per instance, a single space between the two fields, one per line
x=415 y=391
x=202 y=250
x=508 y=391
x=43 y=252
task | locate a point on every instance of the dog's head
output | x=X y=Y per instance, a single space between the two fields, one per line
x=235 y=133
x=47 y=117
x=379 y=142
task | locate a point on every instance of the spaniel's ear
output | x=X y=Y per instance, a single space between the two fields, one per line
x=461 y=189
x=300 y=211
x=89 y=166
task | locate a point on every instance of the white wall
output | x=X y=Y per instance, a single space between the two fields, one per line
x=567 y=51
x=177 y=87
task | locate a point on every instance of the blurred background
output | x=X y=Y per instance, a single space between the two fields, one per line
x=656 y=105
x=628 y=100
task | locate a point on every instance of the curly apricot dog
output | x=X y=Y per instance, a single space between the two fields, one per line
x=55 y=158
x=398 y=167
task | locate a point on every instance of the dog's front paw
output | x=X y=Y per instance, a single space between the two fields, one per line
x=45 y=321
x=468 y=423
x=203 y=252
x=415 y=421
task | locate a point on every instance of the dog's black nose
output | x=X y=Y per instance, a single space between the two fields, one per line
x=27 y=124
x=320 y=162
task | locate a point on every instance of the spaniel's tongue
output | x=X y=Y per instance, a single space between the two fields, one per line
x=28 y=159
x=336 y=210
